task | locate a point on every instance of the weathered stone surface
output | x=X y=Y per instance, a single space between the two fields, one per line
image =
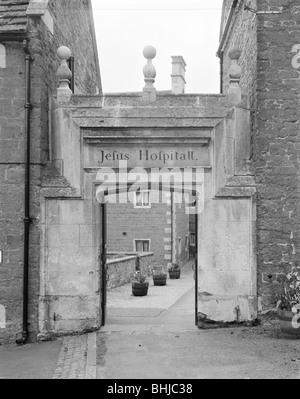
x=270 y=76
x=13 y=15
x=69 y=22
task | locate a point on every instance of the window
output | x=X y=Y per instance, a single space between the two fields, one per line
x=142 y=199
x=142 y=245
x=192 y=238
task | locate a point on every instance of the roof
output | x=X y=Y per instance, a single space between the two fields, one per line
x=13 y=18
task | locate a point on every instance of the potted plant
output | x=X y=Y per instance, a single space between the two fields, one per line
x=140 y=284
x=174 y=271
x=159 y=276
x=288 y=306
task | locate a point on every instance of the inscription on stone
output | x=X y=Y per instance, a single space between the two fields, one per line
x=147 y=157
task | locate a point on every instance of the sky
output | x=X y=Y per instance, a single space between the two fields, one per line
x=189 y=28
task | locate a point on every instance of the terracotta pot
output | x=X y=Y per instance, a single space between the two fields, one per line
x=174 y=274
x=289 y=322
x=160 y=279
x=139 y=289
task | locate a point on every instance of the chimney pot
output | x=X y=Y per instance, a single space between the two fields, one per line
x=178 y=74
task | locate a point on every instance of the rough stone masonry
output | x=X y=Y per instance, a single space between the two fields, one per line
x=268 y=35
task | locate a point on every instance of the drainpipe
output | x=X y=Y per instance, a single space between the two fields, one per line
x=221 y=71
x=172 y=227
x=220 y=52
x=14 y=37
x=27 y=219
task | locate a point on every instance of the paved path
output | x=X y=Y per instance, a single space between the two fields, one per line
x=155 y=337
x=125 y=310
x=166 y=349
x=64 y=358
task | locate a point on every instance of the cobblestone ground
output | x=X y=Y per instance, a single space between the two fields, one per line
x=71 y=363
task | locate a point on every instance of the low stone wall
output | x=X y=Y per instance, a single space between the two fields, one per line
x=121 y=269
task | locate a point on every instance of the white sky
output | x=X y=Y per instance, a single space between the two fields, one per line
x=174 y=27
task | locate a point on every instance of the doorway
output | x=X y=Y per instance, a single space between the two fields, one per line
x=139 y=243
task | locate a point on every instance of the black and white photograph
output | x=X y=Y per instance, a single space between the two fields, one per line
x=149 y=192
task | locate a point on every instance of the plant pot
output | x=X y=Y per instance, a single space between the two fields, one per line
x=174 y=274
x=139 y=289
x=289 y=322
x=160 y=279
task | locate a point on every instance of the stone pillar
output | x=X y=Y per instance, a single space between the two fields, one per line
x=149 y=91
x=235 y=72
x=178 y=75
x=64 y=74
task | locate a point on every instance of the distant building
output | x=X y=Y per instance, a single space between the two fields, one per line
x=144 y=226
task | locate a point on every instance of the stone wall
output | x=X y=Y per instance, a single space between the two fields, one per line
x=126 y=224
x=277 y=143
x=12 y=149
x=68 y=23
x=121 y=270
x=243 y=35
x=270 y=77
x=70 y=266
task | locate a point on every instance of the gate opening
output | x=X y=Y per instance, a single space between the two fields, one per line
x=149 y=236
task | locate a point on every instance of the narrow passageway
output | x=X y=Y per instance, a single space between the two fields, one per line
x=164 y=307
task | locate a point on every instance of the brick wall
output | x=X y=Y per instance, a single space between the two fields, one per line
x=277 y=143
x=137 y=224
x=71 y=28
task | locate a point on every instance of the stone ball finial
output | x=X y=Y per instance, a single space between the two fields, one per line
x=149 y=52
x=235 y=54
x=149 y=69
x=235 y=71
x=64 y=53
x=149 y=91
x=64 y=72
x=64 y=75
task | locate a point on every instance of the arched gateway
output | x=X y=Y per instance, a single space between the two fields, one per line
x=97 y=144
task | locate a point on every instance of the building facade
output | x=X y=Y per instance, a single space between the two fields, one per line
x=144 y=226
x=30 y=33
x=267 y=34
x=241 y=148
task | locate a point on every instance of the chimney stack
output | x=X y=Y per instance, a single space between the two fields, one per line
x=178 y=75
